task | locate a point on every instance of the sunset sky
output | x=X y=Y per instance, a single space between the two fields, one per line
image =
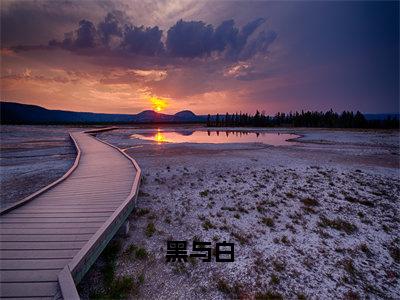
x=208 y=57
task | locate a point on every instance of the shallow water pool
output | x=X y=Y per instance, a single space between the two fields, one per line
x=216 y=137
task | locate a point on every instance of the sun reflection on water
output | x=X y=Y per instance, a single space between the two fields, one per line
x=160 y=137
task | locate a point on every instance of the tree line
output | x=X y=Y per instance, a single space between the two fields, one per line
x=329 y=119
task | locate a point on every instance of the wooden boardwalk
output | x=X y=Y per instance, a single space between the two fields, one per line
x=49 y=241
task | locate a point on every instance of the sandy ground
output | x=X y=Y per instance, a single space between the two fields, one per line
x=315 y=220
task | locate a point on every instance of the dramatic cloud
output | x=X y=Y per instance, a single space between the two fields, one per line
x=258 y=45
x=197 y=39
x=86 y=35
x=190 y=39
x=225 y=34
x=246 y=32
x=109 y=28
x=185 y=39
x=141 y=40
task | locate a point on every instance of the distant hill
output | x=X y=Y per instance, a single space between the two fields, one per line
x=16 y=113
x=152 y=116
x=185 y=115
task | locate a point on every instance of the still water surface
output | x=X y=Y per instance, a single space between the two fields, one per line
x=217 y=137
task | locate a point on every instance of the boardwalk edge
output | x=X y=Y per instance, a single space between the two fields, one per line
x=67 y=285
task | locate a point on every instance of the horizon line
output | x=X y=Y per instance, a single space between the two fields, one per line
x=222 y=114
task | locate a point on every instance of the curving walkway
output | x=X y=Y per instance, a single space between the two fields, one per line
x=49 y=241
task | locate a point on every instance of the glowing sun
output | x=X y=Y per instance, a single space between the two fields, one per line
x=158 y=104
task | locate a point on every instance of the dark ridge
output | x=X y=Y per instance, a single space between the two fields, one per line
x=16 y=113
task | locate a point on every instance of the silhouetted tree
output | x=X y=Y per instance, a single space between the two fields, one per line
x=329 y=119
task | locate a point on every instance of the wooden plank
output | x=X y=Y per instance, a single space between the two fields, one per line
x=55 y=220
x=114 y=160
x=76 y=207
x=81 y=204
x=87 y=193
x=118 y=161
x=93 y=189
x=112 y=177
x=37 y=254
x=29 y=275
x=37 y=289
x=34 y=298
x=45 y=238
x=111 y=198
x=63 y=210
x=66 y=206
x=49 y=231
x=33 y=264
x=48 y=226
x=96 y=203
x=110 y=170
x=82 y=199
x=59 y=214
x=98 y=183
x=81 y=188
x=41 y=245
